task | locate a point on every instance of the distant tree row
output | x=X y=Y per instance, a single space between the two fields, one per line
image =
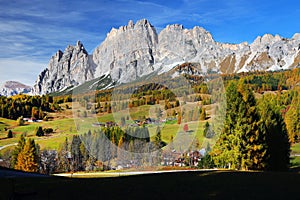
x=26 y=106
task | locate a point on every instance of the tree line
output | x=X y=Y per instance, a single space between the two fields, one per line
x=26 y=106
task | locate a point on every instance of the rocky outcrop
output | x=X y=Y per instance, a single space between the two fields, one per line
x=10 y=88
x=72 y=67
x=135 y=50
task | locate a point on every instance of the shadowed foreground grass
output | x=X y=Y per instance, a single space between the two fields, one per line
x=183 y=185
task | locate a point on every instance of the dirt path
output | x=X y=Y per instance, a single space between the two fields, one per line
x=8 y=145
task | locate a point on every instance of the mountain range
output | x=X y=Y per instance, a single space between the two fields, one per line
x=136 y=50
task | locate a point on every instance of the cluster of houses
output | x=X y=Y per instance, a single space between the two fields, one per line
x=135 y=123
x=178 y=159
x=173 y=159
x=105 y=124
x=150 y=121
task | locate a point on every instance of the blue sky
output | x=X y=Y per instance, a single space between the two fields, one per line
x=32 y=31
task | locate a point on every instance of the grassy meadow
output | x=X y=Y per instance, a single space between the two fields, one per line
x=65 y=125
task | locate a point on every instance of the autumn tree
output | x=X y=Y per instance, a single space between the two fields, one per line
x=186 y=128
x=20 y=121
x=121 y=150
x=292 y=119
x=27 y=159
x=203 y=114
x=179 y=118
x=17 y=150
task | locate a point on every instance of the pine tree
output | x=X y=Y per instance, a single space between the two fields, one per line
x=76 y=161
x=278 y=145
x=27 y=159
x=9 y=134
x=39 y=132
x=158 y=141
x=208 y=132
x=63 y=157
x=253 y=137
x=123 y=121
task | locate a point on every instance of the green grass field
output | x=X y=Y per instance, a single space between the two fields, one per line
x=66 y=127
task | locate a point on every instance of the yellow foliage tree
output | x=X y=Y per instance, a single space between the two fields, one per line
x=27 y=159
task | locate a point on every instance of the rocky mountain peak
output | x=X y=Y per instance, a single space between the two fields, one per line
x=71 y=67
x=127 y=52
x=174 y=27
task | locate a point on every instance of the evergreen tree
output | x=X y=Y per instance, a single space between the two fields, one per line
x=48 y=161
x=123 y=122
x=208 y=132
x=253 y=137
x=39 y=132
x=63 y=157
x=9 y=134
x=206 y=162
x=76 y=160
x=278 y=145
x=158 y=141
